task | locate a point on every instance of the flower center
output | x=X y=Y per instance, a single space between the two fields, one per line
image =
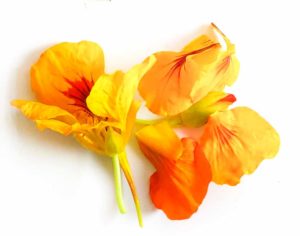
x=78 y=91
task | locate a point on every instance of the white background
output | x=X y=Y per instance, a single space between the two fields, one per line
x=49 y=185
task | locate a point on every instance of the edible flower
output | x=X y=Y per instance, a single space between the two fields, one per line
x=77 y=98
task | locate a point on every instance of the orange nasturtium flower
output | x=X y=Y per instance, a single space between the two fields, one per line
x=77 y=98
x=179 y=79
x=182 y=172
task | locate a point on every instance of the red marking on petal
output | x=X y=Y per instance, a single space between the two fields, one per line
x=229 y=98
x=79 y=91
x=180 y=61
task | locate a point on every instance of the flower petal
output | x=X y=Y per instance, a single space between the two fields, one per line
x=227 y=67
x=112 y=95
x=131 y=118
x=235 y=142
x=65 y=73
x=179 y=184
x=46 y=116
x=179 y=79
x=161 y=139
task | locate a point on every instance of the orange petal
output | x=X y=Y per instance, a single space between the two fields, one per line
x=65 y=73
x=235 y=142
x=181 y=181
x=179 y=79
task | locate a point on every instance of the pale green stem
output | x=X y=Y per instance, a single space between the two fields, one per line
x=118 y=183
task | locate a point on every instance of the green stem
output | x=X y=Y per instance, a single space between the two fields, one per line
x=118 y=184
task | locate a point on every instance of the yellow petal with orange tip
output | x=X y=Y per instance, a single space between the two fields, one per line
x=235 y=142
x=182 y=175
x=46 y=116
x=65 y=73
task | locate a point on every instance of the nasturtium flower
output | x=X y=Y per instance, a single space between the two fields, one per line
x=235 y=142
x=179 y=79
x=77 y=98
x=182 y=175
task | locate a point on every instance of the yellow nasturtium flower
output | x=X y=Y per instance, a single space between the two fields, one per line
x=77 y=98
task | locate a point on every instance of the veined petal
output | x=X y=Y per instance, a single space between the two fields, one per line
x=46 y=116
x=65 y=73
x=180 y=183
x=235 y=142
x=179 y=79
x=228 y=66
x=112 y=95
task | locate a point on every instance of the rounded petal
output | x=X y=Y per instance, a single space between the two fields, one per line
x=65 y=73
x=177 y=80
x=180 y=182
x=235 y=142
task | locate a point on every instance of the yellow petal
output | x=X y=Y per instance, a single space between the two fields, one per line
x=131 y=120
x=235 y=142
x=46 y=116
x=161 y=139
x=112 y=95
x=228 y=66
